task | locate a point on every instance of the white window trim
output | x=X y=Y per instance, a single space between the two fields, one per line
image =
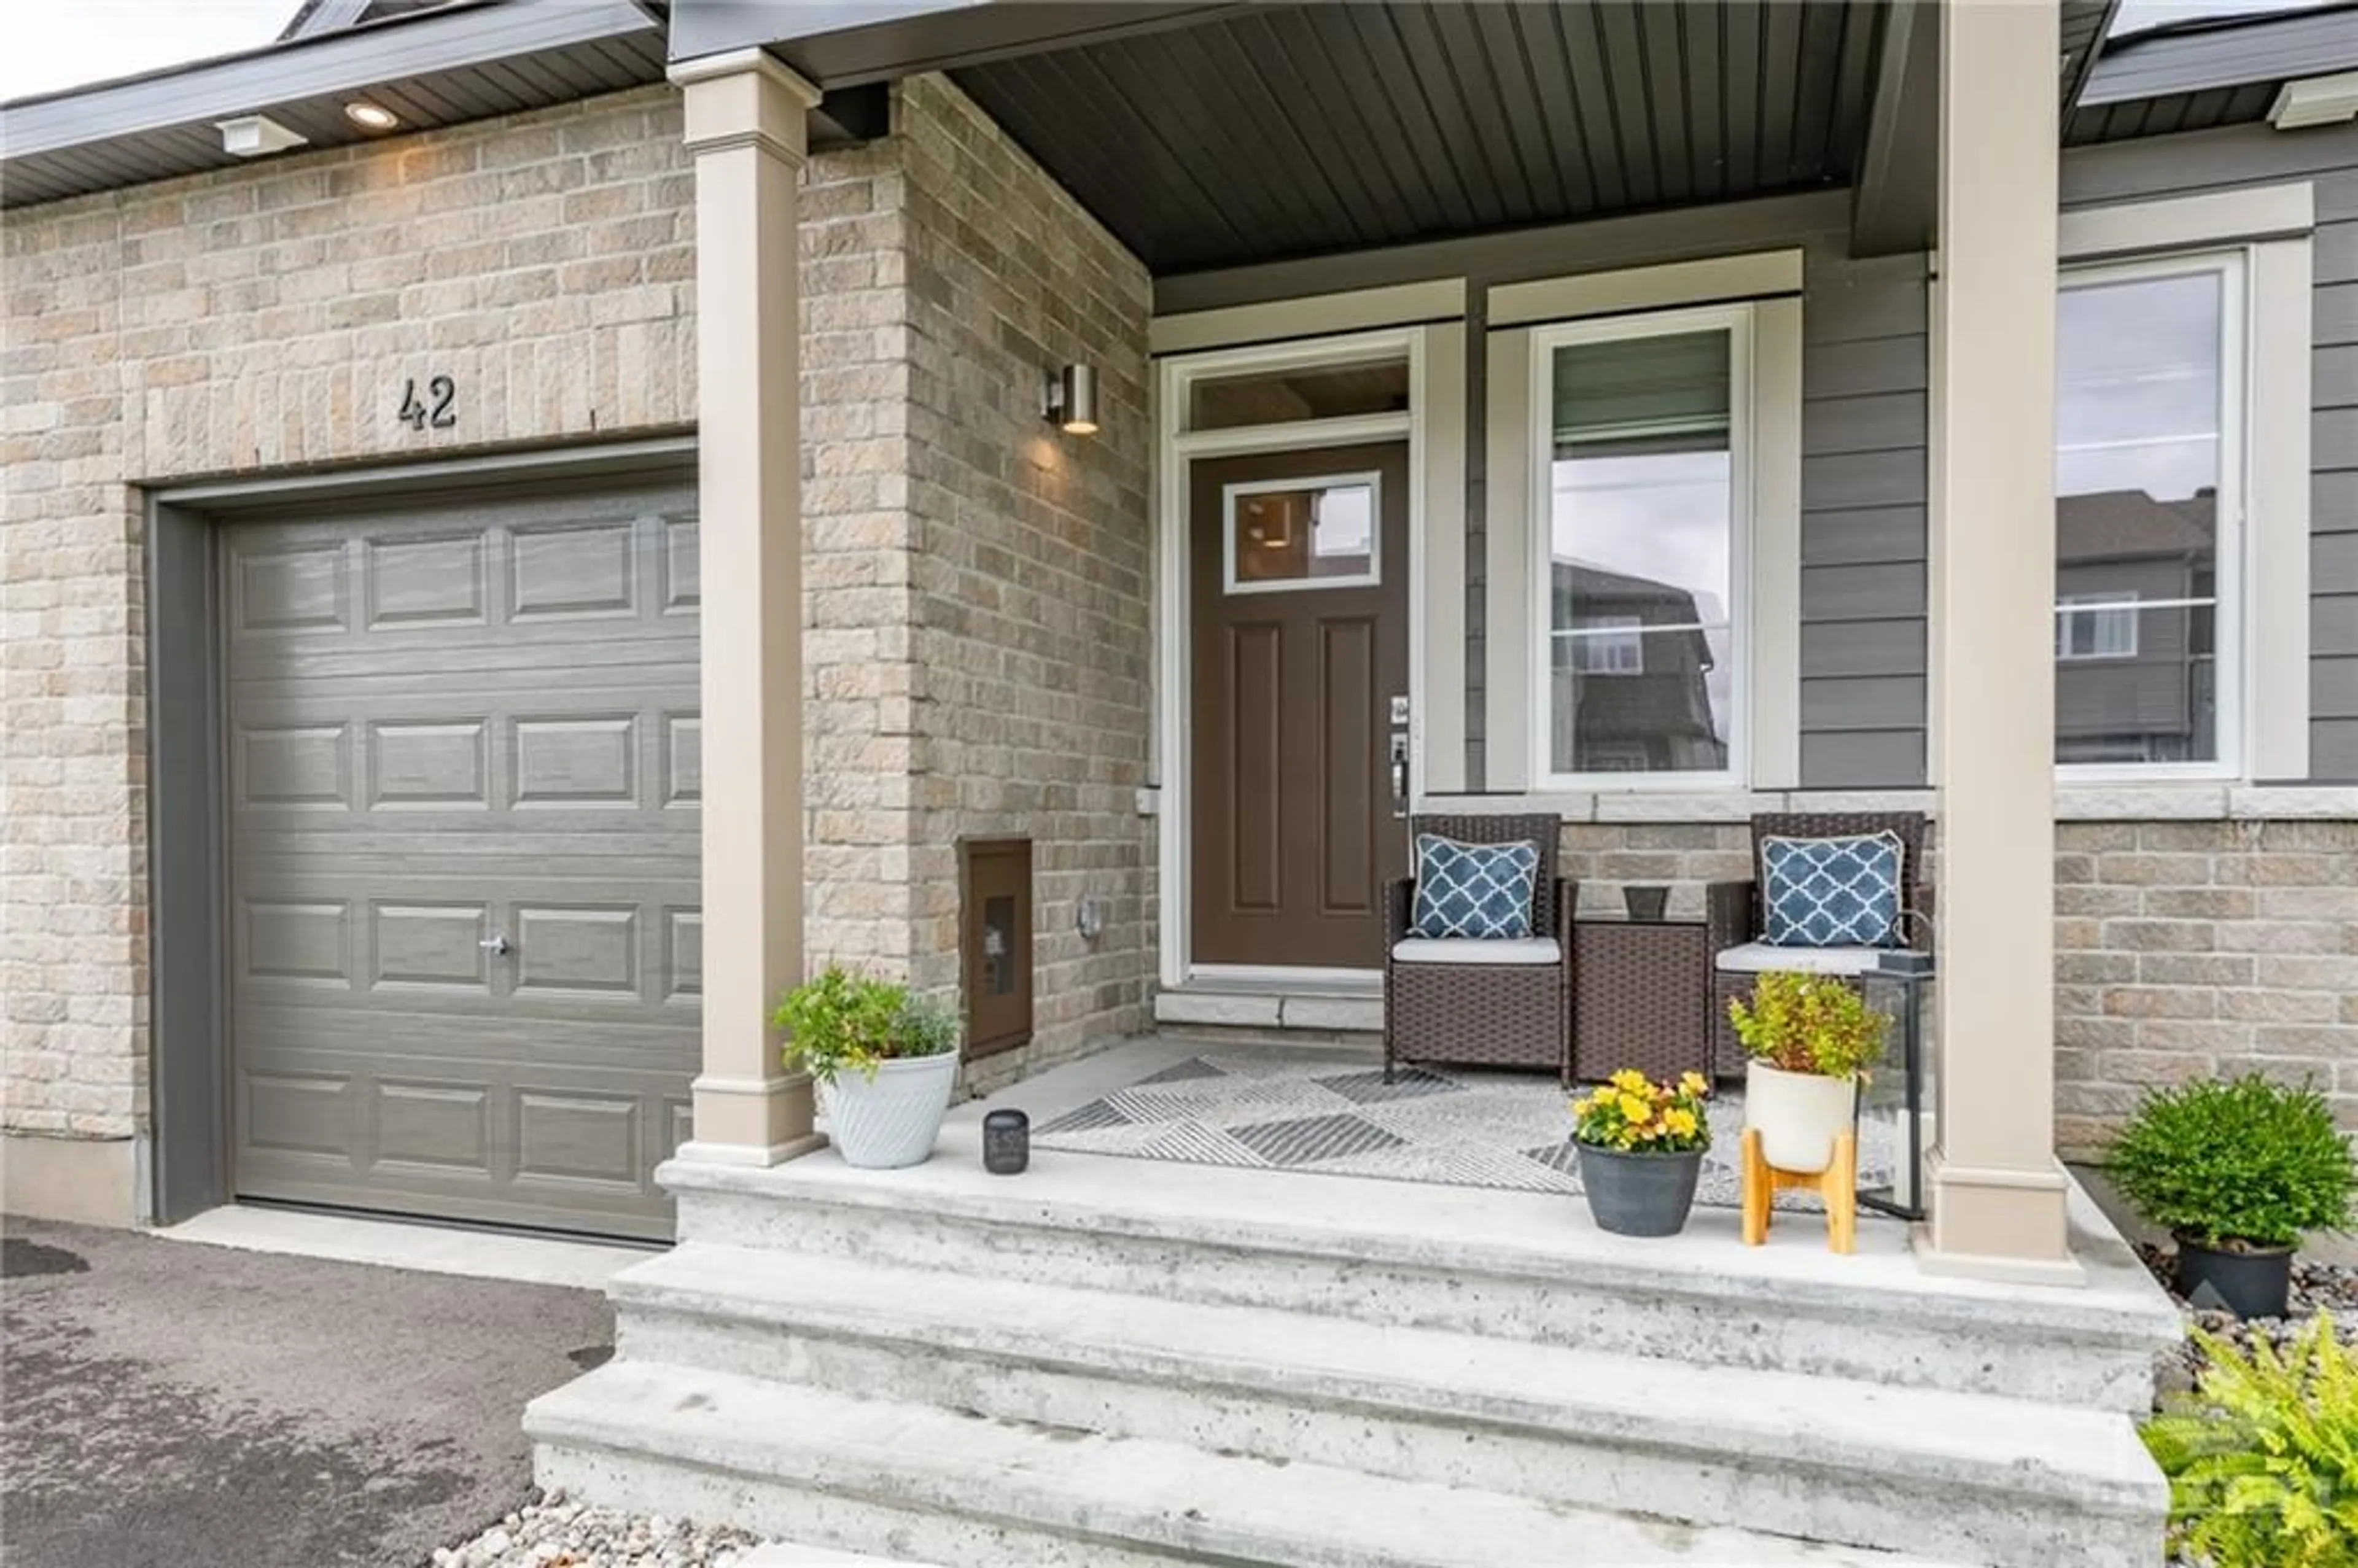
x=1434 y=426
x=2272 y=226
x=1737 y=321
x=2230 y=657
x=1513 y=779
x=1231 y=493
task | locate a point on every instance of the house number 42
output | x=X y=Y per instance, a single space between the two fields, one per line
x=441 y=391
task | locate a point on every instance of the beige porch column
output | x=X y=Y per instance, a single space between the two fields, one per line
x=745 y=126
x=1998 y=1191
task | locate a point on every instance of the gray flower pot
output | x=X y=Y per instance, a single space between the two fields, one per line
x=1638 y=1195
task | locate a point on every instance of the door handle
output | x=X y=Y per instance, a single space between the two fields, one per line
x=498 y=946
x=1399 y=775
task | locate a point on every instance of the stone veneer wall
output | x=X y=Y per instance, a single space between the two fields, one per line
x=1033 y=636
x=247 y=321
x=263 y=318
x=2182 y=950
x=2188 y=948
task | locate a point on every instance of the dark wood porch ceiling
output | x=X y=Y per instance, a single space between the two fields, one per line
x=1280 y=131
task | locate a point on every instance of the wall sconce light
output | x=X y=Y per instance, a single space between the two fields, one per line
x=1071 y=399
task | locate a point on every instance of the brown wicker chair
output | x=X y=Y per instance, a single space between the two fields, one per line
x=1732 y=910
x=1483 y=1014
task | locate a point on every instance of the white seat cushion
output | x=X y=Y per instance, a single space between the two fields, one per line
x=1477 y=950
x=1759 y=958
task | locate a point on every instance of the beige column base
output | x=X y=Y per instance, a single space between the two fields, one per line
x=1998 y=1224
x=752 y=1122
x=87 y=1181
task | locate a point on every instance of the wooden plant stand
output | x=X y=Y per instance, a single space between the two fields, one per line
x=1837 y=1185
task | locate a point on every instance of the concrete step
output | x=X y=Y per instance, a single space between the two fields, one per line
x=1503 y=1265
x=1991 y=1480
x=971 y=1491
x=787 y=1554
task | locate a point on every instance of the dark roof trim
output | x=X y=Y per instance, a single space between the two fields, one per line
x=323 y=17
x=2201 y=55
x=2086 y=25
x=471 y=33
x=839 y=43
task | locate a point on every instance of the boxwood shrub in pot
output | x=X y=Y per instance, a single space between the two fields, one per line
x=885 y=1061
x=1641 y=1146
x=1810 y=1038
x=2237 y=1171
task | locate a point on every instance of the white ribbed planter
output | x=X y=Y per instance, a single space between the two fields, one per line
x=891 y=1120
x=1798 y=1115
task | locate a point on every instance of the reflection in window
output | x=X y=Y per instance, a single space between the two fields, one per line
x=2142 y=390
x=1641 y=526
x=1315 y=534
x=2095 y=626
x=1310 y=392
x=1610 y=646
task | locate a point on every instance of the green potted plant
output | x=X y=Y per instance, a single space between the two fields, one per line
x=885 y=1061
x=2237 y=1171
x=1642 y=1147
x=1810 y=1037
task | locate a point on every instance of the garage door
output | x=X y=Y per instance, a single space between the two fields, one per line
x=464 y=938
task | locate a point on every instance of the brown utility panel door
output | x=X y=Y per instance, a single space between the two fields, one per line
x=1298 y=584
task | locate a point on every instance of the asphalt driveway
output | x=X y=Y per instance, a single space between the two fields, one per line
x=165 y=1402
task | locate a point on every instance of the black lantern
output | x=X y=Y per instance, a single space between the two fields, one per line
x=1006 y=1143
x=1895 y=1105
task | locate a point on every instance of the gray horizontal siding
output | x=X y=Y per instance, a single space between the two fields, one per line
x=1863 y=476
x=1864 y=367
x=2224 y=159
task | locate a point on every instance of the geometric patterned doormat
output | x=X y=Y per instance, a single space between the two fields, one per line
x=1454 y=1126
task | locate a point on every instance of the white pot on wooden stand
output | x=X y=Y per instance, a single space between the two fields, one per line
x=892 y=1120
x=1798 y=1115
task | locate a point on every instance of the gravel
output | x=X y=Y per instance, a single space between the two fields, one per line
x=2327 y=1287
x=557 y=1532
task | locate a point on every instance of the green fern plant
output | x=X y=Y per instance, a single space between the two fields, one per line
x=2263 y=1455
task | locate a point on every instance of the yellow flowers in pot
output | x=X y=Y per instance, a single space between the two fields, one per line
x=1630 y=1113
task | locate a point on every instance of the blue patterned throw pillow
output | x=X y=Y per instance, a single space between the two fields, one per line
x=1474 y=890
x=1831 y=893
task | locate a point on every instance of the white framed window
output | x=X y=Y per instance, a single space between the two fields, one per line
x=2149 y=517
x=1641 y=434
x=2095 y=626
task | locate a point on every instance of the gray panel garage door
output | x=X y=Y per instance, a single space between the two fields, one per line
x=464 y=940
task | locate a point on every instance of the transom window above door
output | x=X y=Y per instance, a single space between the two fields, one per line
x=1639 y=480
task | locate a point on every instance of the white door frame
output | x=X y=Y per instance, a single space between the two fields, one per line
x=1175 y=449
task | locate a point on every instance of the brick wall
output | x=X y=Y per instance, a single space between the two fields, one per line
x=2188 y=948
x=253 y=319
x=1032 y=631
x=977 y=612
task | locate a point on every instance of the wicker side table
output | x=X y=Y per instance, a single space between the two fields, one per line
x=1640 y=998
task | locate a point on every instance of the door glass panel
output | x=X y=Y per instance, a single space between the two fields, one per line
x=1297 y=534
x=1312 y=392
x=1641 y=525
x=2138 y=425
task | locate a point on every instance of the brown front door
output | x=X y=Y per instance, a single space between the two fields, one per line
x=1298 y=579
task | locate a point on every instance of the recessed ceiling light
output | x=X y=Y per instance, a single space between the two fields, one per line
x=371 y=116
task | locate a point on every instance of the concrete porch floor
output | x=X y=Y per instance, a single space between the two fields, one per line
x=1430 y=1221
